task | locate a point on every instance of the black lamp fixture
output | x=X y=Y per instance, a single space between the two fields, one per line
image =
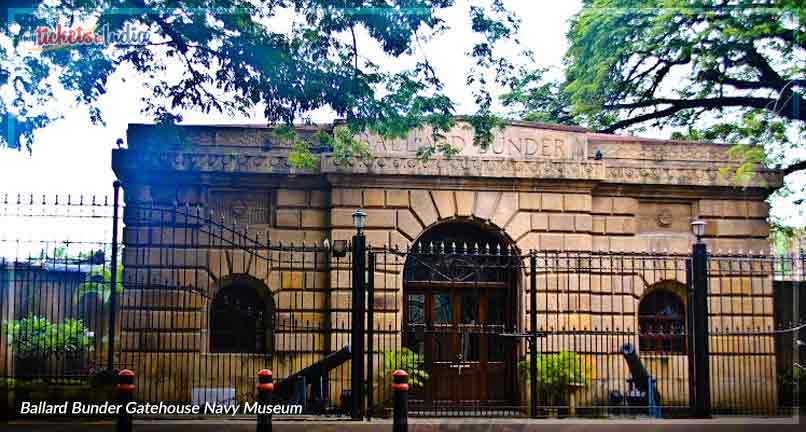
x=359 y=220
x=698 y=229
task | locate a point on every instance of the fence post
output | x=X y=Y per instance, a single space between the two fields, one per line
x=702 y=398
x=265 y=387
x=125 y=395
x=113 y=276
x=692 y=383
x=370 y=331
x=357 y=337
x=533 y=334
x=400 y=389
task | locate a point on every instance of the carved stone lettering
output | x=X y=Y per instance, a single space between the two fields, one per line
x=512 y=142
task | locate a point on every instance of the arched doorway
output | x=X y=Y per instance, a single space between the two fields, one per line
x=461 y=305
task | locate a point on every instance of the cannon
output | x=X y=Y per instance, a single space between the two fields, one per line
x=643 y=386
x=294 y=389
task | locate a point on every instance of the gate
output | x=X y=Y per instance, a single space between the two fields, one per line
x=457 y=333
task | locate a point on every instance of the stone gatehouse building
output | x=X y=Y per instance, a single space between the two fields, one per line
x=537 y=187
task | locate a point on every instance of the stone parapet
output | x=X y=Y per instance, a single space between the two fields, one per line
x=518 y=151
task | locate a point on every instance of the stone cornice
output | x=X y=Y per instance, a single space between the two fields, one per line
x=460 y=183
x=205 y=162
x=469 y=167
x=127 y=162
x=658 y=151
x=686 y=175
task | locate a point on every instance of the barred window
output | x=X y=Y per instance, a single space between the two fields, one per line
x=662 y=322
x=240 y=320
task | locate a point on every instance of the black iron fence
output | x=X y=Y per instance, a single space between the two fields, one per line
x=197 y=304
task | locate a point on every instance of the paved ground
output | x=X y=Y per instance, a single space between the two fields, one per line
x=722 y=424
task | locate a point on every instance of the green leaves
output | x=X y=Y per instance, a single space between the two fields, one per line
x=406 y=360
x=236 y=58
x=533 y=97
x=703 y=69
x=557 y=373
x=393 y=360
x=37 y=336
x=346 y=146
x=637 y=59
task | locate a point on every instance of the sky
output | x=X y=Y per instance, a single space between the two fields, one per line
x=74 y=156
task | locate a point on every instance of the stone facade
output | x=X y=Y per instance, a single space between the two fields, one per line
x=544 y=187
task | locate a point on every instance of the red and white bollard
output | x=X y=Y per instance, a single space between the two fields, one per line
x=265 y=388
x=400 y=389
x=126 y=389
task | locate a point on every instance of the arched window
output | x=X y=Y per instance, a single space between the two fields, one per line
x=662 y=322
x=240 y=320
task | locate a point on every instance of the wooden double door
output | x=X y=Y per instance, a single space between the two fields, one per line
x=463 y=334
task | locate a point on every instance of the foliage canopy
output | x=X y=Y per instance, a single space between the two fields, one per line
x=284 y=58
x=709 y=69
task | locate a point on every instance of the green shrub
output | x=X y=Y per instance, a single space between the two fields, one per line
x=794 y=376
x=37 y=336
x=393 y=360
x=406 y=360
x=556 y=375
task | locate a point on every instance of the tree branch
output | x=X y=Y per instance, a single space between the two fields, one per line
x=718 y=77
x=755 y=59
x=756 y=102
x=166 y=27
x=798 y=166
x=640 y=119
x=787 y=110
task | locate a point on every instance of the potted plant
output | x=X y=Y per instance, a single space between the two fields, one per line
x=558 y=376
x=393 y=360
x=792 y=387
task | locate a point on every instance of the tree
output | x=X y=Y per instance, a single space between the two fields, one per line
x=235 y=55
x=717 y=70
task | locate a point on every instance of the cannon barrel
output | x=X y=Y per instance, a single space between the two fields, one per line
x=639 y=373
x=320 y=369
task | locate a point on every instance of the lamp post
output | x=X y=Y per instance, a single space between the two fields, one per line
x=360 y=221
x=698 y=229
x=702 y=376
x=359 y=304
